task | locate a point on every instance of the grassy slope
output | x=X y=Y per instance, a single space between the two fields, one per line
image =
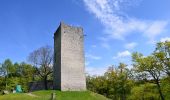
x=45 y=95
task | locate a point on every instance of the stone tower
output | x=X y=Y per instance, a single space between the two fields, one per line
x=69 y=60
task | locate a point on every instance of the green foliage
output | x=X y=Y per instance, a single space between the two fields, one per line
x=155 y=65
x=145 y=91
x=14 y=74
x=166 y=87
x=148 y=80
x=162 y=54
x=115 y=83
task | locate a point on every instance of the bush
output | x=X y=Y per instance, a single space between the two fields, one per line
x=146 y=91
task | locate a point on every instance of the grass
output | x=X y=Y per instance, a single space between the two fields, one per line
x=46 y=95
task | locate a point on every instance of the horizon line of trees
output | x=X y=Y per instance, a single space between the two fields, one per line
x=39 y=69
x=149 y=79
x=12 y=74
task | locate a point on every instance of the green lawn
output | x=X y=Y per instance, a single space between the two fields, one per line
x=46 y=95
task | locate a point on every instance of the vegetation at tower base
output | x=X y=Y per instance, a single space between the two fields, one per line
x=46 y=95
x=148 y=80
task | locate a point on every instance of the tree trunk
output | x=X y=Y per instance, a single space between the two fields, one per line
x=45 y=83
x=168 y=73
x=123 y=95
x=160 y=91
x=6 y=82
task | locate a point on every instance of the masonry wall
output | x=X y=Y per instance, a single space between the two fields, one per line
x=39 y=85
x=57 y=59
x=72 y=65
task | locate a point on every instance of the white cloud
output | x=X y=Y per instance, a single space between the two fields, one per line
x=96 y=70
x=105 y=42
x=122 y=54
x=155 y=29
x=105 y=45
x=94 y=46
x=90 y=56
x=165 y=39
x=130 y=45
x=87 y=63
x=118 y=24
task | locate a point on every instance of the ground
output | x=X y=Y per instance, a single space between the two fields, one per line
x=46 y=95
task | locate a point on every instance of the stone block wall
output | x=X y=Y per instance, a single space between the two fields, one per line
x=39 y=85
x=69 y=60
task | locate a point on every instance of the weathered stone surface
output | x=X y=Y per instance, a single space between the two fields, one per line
x=69 y=61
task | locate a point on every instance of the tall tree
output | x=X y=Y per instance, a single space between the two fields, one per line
x=42 y=60
x=122 y=80
x=122 y=67
x=150 y=66
x=118 y=82
x=7 y=64
x=162 y=53
x=7 y=69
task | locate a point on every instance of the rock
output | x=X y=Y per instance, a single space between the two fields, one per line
x=5 y=92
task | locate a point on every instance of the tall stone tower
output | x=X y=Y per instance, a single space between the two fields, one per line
x=69 y=60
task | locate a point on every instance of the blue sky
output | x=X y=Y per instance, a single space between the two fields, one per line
x=114 y=28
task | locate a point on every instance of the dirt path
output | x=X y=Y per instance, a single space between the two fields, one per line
x=32 y=95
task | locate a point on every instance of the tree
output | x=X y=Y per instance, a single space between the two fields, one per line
x=149 y=65
x=7 y=70
x=14 y=74
x=118 y=82
x=145 y=91
x=8 y=66
x=122 y=77
x=162 y=54
x=122 y=67
x=42 y=60
x=26 y=73
x=2 y=70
